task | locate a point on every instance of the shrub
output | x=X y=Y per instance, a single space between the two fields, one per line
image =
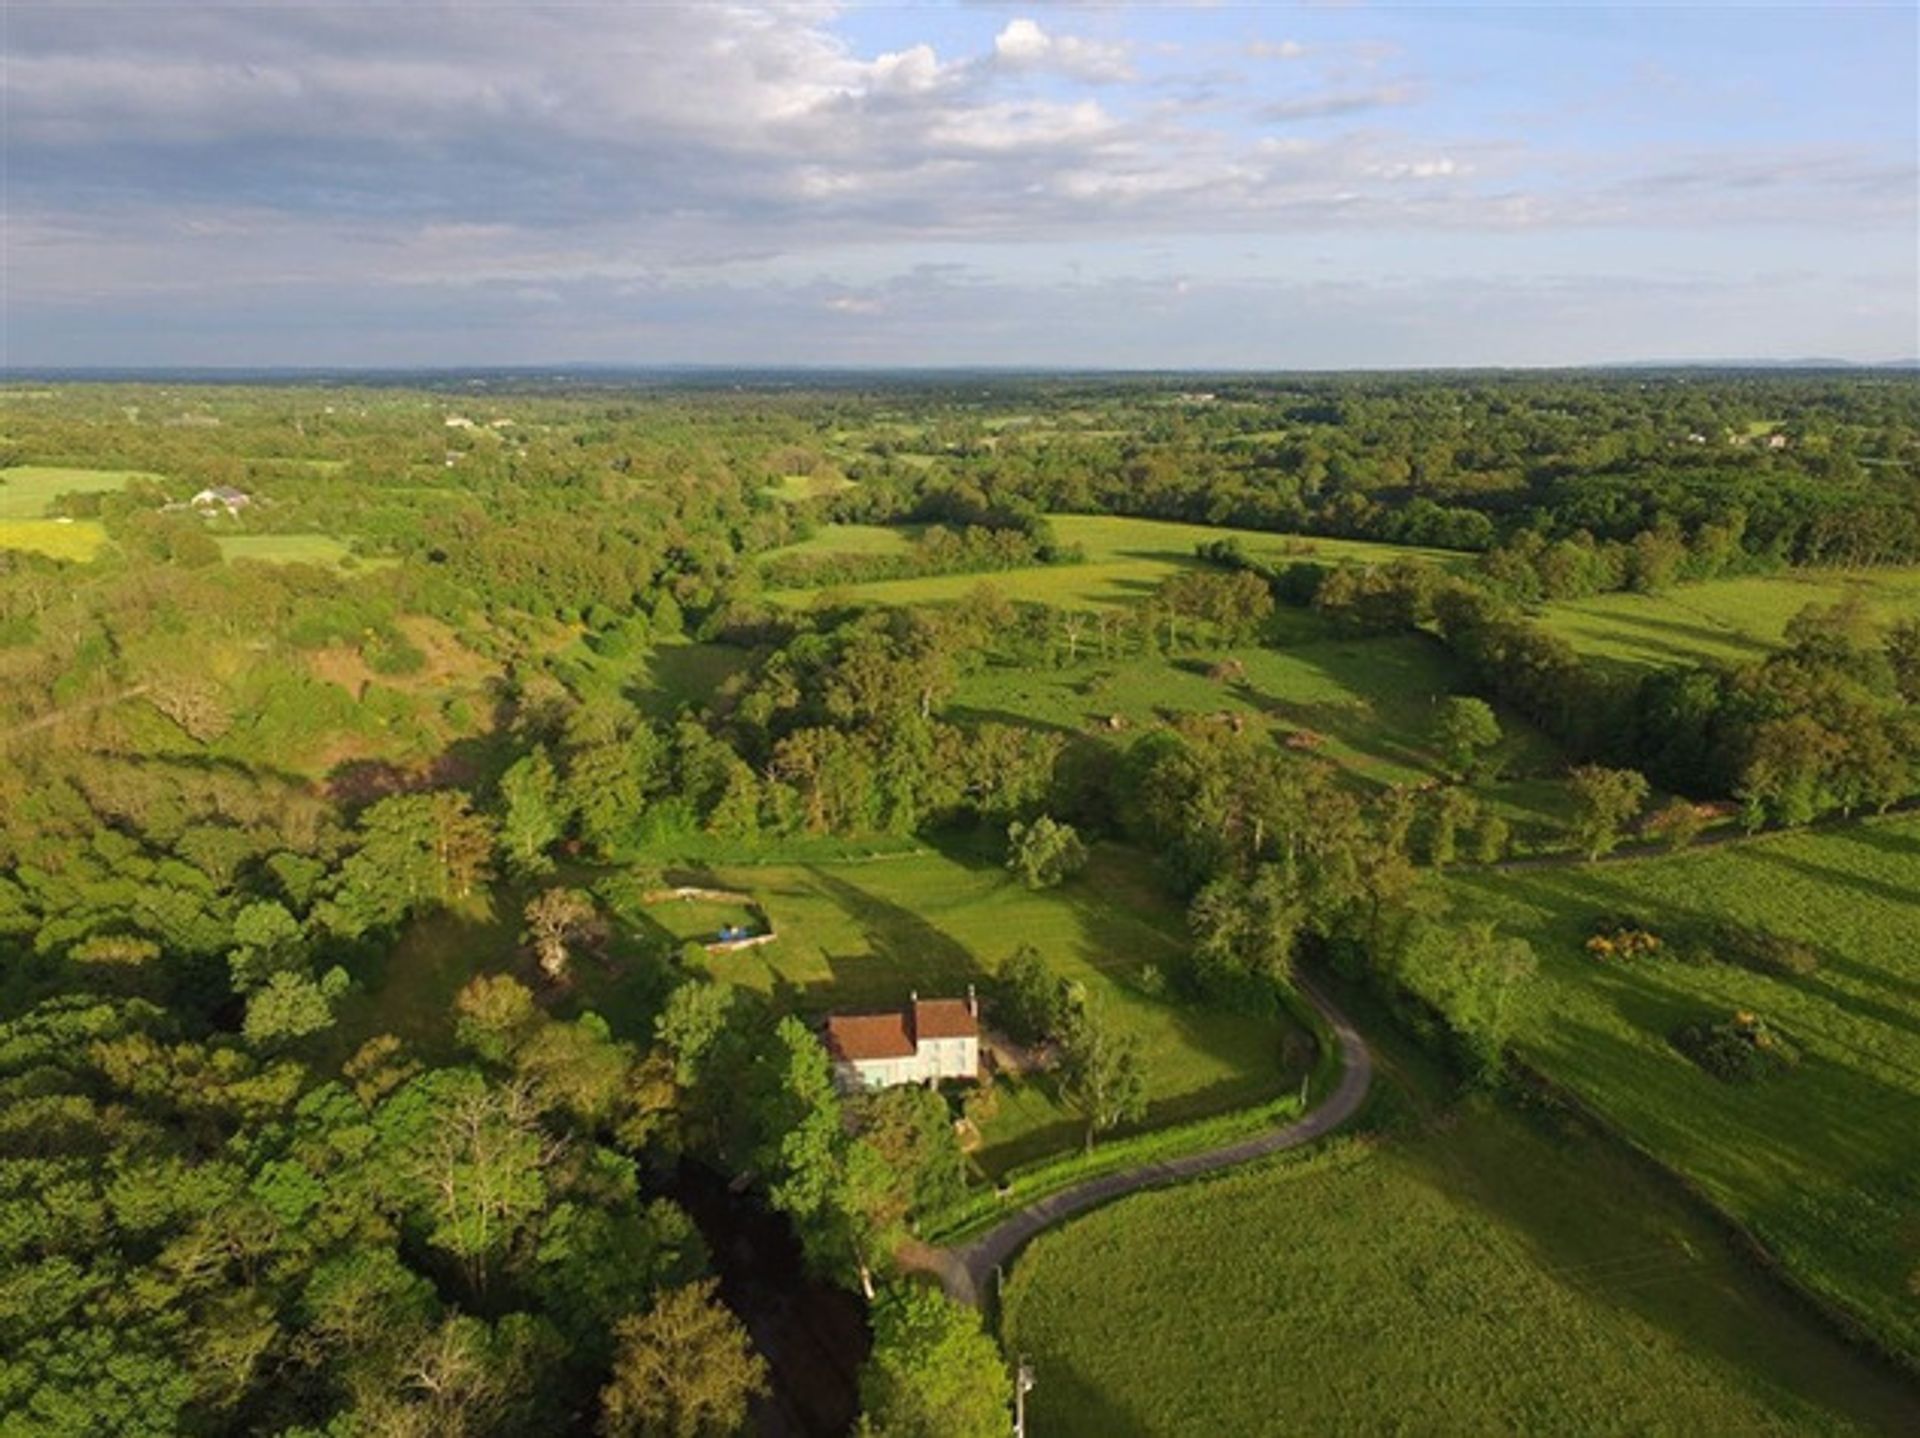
x=1741 y=1049
x=1762 y=951
x=1622 y=937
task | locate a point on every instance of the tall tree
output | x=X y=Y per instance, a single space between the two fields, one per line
x=933 y=1372
x=684 y=1369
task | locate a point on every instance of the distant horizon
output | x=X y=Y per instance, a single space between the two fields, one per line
x=1012 y=369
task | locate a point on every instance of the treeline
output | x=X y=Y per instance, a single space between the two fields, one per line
x=1827 y=724
x=936 y=549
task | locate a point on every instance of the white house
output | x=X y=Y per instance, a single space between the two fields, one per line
x=927 y=1041
x=222 y=496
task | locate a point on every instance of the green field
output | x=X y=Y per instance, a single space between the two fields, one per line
x=1481 y=1277
x=1125 y=559
x=1723 y=619
x=862 y=539
x=60 y=538
x=1370 y=699
x=320 y=549
x=27 y=491
x=1822 y=1163
x=866 y=935
x=793 y=488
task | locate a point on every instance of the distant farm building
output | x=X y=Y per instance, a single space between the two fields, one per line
x=222 y=496
x=925 y=1042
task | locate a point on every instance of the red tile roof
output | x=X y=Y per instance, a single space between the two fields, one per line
x=854 y=1037
x=944 y=1019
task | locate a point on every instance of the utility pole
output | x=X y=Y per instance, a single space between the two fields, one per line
x=1022 y=1385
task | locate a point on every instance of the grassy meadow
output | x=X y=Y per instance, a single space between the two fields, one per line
x=1125 y=559
x=1822 y=1163
x=866 y=935
x=1480 y=1276
x=318 y=549
x=1723 y=619
x=27 y=493
x=1371 y=700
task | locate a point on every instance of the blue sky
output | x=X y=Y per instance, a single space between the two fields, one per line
x=1190 y=185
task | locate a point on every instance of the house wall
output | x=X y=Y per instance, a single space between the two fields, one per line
x=937 y=1059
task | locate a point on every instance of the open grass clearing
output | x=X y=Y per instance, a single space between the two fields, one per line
x=27 y=491
x=1722 y=619
x=796 y=488
x=867 y=935
x=1823 y=1164
x=861 y=539
x=1479 y=1277
x=1125 y=559
x=320 y=549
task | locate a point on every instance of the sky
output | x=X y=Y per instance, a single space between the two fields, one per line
x=388 y=183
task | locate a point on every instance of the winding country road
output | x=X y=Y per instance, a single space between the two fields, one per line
x=966 y=1272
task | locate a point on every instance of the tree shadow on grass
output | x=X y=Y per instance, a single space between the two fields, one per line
x=1655 y=1255
x=1827 y=874
x=906 y=952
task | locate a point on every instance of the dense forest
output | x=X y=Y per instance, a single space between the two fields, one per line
x=556 y=653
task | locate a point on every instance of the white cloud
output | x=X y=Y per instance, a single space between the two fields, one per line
x=1023 y=45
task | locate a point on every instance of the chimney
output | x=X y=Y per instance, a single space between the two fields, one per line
x=973 y=1002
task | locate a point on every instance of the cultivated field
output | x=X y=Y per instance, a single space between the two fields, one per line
x=1125 y=559
x=1823 y=1163
x=78 y=539
x=1724 y=619
x=1477 y=1278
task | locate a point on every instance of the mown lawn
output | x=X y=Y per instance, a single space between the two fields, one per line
x=1822 y=1163
x=866 y=935
x=1125 y=559
x=1724 y=619
x=1481 y=1277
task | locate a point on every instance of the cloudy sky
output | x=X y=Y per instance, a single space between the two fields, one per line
x=1246 y=185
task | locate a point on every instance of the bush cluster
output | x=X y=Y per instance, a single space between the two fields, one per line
x=1740 y=1049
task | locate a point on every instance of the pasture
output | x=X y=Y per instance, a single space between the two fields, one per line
x=866 y=935
x=319 y=549
x=27 y=491
x=1469 y=1278
x=1823 y=1163
x=1125 y=559
x=1370 y=701
x=1722 y=619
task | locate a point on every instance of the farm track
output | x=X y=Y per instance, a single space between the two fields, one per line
x=966 y=1271
x=73 y=711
